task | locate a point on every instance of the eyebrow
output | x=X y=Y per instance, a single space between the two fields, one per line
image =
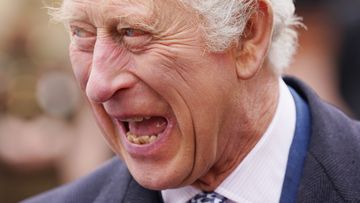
x=69 y=11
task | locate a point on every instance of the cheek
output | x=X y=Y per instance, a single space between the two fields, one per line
x=81 y=63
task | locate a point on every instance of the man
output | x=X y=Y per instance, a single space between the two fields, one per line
x=189 y=95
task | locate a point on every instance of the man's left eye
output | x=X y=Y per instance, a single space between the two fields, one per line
x=130 y=32
x=134 y=39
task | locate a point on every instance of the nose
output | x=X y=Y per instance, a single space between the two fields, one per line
x=109 y=73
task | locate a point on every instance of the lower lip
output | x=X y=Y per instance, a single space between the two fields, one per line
x=146 y=150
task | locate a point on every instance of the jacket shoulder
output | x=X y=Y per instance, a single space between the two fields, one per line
x=331 y=171
x=90 y=187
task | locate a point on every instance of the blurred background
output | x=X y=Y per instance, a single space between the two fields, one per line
x=47 y=133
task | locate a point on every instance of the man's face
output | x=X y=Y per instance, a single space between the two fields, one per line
x=163 y=102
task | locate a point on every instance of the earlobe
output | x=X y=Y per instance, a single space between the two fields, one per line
x=252 y=48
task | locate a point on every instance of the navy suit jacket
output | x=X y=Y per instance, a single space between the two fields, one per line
x=331 y=170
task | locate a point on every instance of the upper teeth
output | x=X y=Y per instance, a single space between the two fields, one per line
x=136 y=119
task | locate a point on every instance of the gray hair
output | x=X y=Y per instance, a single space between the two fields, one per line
x=225 y=21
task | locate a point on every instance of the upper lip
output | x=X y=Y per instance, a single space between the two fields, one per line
x=129 y=117
x=135 y=119
x=122 y=111
x=125 y=118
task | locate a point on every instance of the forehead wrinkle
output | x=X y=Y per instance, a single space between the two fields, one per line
x=152 y=15
x=155 y=16
x=173 y=16
x=80 y=10
x=130 y=13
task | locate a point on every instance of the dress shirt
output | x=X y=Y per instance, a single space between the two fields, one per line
x=260 y=176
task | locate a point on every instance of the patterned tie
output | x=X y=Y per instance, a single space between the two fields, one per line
x=208 y=197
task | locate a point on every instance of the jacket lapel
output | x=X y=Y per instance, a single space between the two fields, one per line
x=136 y=193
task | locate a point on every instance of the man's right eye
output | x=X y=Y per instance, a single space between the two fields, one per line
x=81 y=33
x=82 y=38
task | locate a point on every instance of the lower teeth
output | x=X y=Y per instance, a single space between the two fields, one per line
x=141 y=140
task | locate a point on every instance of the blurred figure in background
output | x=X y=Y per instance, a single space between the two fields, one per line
x=44 y=126
x=328 y=54
x=349 y=61
x=316 y=60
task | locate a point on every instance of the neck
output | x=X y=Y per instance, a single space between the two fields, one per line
x=259 y=99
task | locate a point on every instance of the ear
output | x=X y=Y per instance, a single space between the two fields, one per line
x=251 y=50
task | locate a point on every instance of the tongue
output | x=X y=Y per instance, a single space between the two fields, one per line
x=152 y=126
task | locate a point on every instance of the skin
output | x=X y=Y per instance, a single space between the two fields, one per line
x=219 y=103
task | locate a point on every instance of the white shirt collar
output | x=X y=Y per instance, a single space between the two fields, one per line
x=260 y=176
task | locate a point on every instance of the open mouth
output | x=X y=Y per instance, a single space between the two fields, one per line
x=144 y=130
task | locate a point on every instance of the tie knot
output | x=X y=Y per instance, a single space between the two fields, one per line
x=208 y=197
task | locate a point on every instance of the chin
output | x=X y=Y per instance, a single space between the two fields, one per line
x=159 y=176
x=158 y=181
